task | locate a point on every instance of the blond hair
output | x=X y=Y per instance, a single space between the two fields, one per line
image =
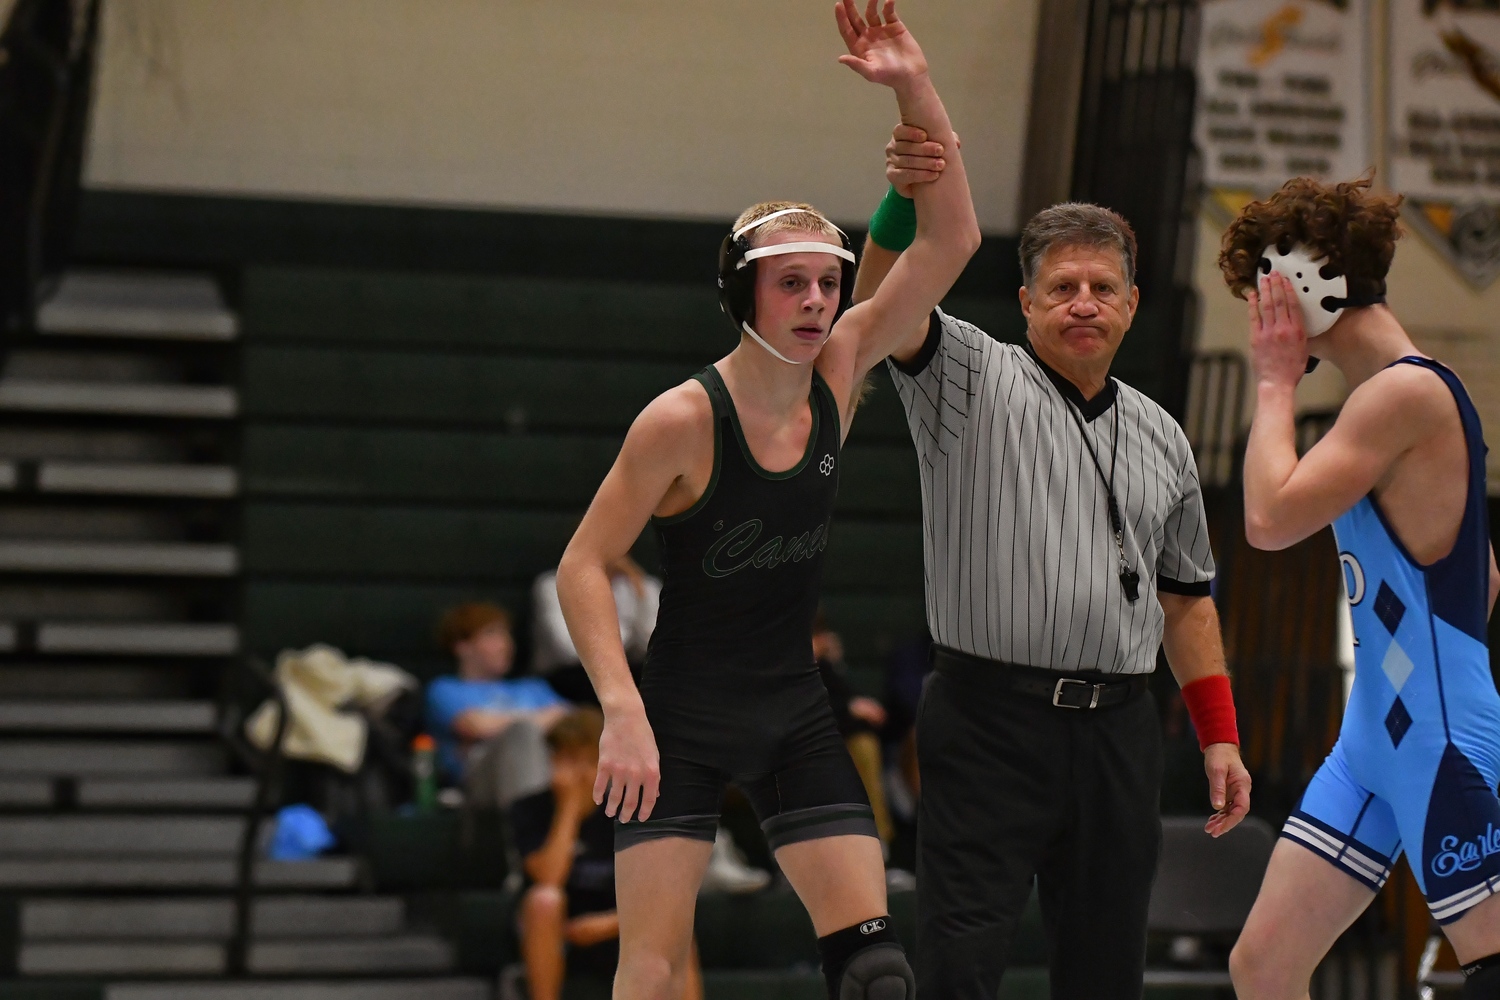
x=807 y=220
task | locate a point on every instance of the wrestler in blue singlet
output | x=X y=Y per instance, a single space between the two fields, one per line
x=1418 y=757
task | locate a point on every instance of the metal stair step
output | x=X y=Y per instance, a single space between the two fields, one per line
x=23 y=794
x=199 y=919
x=108 y=716
x=107 y=958
x=137 y=479
x=132 y=558
x=402 y=953
x=214 y=794
x=329 y=916
x=411 y=989
x=166 y=793
x=111 y=303
x=102 y=681
x=158 y=874
x=314 y=873
x=117 y=837
x=122 y=399
x=78 y=758
x=137 y=638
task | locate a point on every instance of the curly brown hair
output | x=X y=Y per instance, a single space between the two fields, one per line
x=1349 y=224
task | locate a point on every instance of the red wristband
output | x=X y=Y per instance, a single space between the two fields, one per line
x=1210 y=705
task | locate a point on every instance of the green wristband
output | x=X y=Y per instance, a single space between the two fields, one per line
x=894 y=224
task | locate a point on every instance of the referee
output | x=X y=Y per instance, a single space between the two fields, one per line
x=1065 y=542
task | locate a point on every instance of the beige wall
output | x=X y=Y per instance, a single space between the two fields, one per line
x=676 y=108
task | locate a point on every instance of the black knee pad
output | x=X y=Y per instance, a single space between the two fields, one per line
x=1482 y=979
x=866 y=962
x=880 y=972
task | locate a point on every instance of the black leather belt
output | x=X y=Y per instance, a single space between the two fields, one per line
x=1077 y=690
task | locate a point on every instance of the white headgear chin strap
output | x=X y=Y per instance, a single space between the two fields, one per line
x=778 y=250
x=773 y=351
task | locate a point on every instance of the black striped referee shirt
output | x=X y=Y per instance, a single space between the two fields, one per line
x=1021 y=564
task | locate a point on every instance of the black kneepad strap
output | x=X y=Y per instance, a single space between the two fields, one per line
x=866 y=962
x=1482 y=979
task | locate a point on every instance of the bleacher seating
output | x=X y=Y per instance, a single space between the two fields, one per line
x=414 y=439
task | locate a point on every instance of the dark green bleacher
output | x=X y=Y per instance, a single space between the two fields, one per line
x=415 y=439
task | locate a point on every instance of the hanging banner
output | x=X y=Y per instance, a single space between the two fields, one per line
x=1282 y=92
x=1445 y=127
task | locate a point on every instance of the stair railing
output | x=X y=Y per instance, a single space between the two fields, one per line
x=46 y=73
x=268 y=768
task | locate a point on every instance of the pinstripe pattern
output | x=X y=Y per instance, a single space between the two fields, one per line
x=1021 y=565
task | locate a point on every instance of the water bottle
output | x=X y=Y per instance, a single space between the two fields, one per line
x=424 y=769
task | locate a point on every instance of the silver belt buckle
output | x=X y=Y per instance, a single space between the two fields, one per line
x=1058 y=690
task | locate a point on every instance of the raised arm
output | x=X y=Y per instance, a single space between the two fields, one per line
x=656 y=459
x=883 y=51
x=1287 y=498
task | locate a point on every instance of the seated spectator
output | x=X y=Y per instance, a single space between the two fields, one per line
x=859 y=718
x=637 y=597
x=469 y=713
x=567 y=845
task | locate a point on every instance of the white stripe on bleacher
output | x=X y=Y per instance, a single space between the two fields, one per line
x=119 y=399
x=8 y=476
x=145 y=558
x=138 y=478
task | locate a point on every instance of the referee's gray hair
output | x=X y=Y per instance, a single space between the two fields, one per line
x=1076 y=224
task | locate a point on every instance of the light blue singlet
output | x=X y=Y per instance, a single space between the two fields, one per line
x=1418 y=756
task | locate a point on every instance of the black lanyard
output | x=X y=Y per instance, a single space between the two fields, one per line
x=1129 y=578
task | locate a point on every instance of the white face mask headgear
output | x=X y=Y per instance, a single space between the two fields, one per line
x=1322 y=292
x=737 y=280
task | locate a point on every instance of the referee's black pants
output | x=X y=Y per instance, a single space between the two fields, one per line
x=1013 y=787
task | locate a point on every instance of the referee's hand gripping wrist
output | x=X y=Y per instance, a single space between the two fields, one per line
x=629 y=777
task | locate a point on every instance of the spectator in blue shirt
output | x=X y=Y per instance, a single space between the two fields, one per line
x=475 y=708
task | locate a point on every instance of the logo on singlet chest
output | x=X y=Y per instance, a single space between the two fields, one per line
x=737 y=549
